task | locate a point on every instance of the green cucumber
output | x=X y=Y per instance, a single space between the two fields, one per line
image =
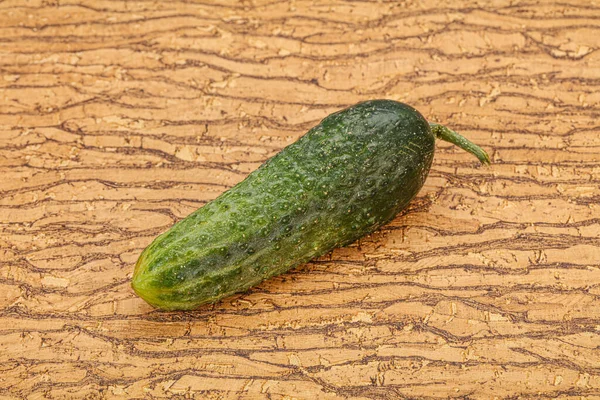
x=345 y=178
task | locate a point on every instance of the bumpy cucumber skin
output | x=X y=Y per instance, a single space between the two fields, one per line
x=345 y=178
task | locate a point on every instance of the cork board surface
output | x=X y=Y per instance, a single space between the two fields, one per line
x=119 y=118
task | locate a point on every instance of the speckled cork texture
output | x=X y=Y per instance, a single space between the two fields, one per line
x=118 y=119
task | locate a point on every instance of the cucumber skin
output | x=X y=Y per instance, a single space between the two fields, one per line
x=345 y=178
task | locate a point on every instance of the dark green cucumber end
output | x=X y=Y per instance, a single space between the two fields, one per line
x=147 y=290
x=143 y=287
x=151 y=286
x=448 y=135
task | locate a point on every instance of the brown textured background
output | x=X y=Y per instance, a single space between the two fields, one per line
x=119 y=118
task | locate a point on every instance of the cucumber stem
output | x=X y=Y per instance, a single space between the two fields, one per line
x=448 y=135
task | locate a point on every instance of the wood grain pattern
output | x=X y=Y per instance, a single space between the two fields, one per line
x=119 y=118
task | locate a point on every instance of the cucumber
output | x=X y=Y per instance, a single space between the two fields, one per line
x=345 y=178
